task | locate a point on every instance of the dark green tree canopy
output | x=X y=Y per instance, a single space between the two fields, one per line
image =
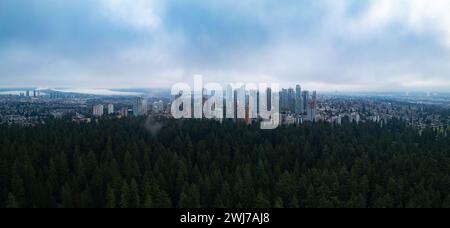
x=190 y=163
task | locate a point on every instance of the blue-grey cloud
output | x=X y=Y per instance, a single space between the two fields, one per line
x=325 y=44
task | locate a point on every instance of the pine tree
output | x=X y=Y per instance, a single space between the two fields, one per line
x=134 y=195
x=148 y=202
x=278 y=203
x=125 y=196
x=66 y=196
x=446 y=203
x=261 y=201
x=18 y=190
x=164 y=200
x=111 y=198
x=385 y=202
x=190 y=197
x=11 y=202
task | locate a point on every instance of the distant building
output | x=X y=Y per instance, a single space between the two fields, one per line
x=138 y=108
x=239 y=104
x=355 y=117
x=312 y=107
x=79 y=118
x=337 y=119
x=291 y=100
x=290 y=119
x=298 y=100
x=269 y=99
x=98 y=110
x=284 y=100
x=55 y=95
x=305 y=95
x=253 y=104
x=158 y=106
x=110 y=109
x=124 y=112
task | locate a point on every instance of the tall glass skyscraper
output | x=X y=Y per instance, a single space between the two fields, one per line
x=138 y=107
x=298 y=100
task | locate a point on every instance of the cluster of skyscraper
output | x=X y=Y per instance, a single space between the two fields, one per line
x=297 y=105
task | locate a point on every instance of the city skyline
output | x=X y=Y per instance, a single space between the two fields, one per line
x=345 y=45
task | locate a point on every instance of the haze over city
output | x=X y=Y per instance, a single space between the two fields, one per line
x=327 y=45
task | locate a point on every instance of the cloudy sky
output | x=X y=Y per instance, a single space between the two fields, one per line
x=344 y=45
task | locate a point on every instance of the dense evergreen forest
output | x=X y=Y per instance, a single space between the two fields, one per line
x=132 y=163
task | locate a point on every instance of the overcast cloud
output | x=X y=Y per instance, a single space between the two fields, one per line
x=345 y=45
